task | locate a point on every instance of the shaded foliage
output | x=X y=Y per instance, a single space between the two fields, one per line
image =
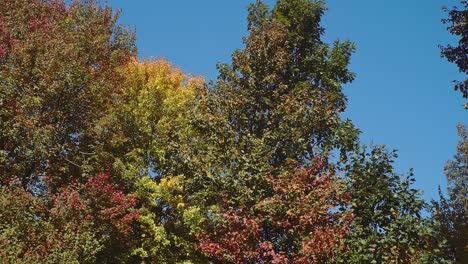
x=82 y=223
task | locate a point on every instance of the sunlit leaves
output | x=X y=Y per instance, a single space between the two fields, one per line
x=147 y=133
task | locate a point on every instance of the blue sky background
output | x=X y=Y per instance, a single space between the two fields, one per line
x=402 y=96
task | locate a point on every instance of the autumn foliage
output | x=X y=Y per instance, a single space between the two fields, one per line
x=72 y=223
x=106 y=158
x=301 y=220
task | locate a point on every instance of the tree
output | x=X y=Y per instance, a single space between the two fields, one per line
x=147 y=125
x=451 y=211
x=146 y=135
x=277 y=103
x=458 y=25
x=58 y=74
x=107 y=159
x=457 y=171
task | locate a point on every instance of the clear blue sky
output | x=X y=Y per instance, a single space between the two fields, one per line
x=402 y=96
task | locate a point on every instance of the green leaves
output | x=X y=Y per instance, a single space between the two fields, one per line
x=279 y=100
x=388 y=226
x=277 y=103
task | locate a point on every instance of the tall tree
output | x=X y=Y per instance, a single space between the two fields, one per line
x=458 y=26
x=451 y=211
x=277 y=103
x=59 y=73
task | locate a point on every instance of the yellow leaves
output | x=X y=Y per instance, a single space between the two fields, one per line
x=172 y=183
x=169 y=190
x=152 y=116
x=155 y=90
x=155 y=101
x=394 y=212
x=157 y=241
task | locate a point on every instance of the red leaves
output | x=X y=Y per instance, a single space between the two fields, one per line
x=102 y=203
x=297 y=223
x=110 y=205
x=77 y=216
x=96 y=204
x=237 y=233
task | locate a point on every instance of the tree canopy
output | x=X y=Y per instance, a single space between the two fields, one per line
x=107 y=158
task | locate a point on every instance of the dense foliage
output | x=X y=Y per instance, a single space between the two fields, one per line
x=302 y=220
x=105 y=158
x=388 y=226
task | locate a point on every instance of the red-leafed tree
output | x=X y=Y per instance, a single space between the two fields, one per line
x=299 y=220
x=111 y=211
x=85 y=223
x=109 y=204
